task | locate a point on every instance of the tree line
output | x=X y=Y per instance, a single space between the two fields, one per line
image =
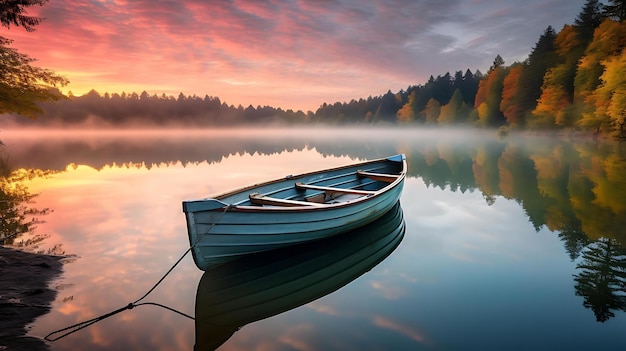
x=152 y=110
x=572 y=79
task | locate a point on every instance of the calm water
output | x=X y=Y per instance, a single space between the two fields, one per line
x=510 y=244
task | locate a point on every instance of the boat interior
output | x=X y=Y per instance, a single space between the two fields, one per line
x=312 y=195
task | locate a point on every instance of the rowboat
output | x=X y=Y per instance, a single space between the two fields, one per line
x=262 y=285
x=292 y=210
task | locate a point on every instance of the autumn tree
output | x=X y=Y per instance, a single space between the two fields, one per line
x=433 y=108
x=407 y=113
x=21 y=84
x=557 y=89
x=609 y=99
x=510 y=104
x=489 y=95
x=455 y=111
x=609 y=39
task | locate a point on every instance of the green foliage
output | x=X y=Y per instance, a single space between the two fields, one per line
x=21 y=84
x=17 y=215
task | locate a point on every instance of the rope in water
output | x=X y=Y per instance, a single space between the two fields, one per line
x=78 y=326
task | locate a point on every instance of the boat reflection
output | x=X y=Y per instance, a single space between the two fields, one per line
x=262 y=285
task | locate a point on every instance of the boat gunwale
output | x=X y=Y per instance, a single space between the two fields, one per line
x=255 y=208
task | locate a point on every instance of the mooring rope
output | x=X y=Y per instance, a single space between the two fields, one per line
x=78 y=326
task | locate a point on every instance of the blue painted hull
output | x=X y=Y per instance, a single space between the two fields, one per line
x=232 y=225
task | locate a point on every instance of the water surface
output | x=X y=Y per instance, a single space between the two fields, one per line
x=511 y=243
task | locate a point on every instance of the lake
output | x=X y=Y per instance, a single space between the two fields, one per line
x=509 y=243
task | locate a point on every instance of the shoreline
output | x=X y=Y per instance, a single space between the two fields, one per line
x=25 y=295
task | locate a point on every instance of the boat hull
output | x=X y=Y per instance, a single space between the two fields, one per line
x=263 y=285
x=218 y=234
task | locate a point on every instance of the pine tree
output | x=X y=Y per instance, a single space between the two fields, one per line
x=542 y=57
x=616 y=9
x=588 y=19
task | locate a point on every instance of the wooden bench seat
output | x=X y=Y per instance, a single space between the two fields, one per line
x=330 y=189
x=383 y=177
x=259 y=199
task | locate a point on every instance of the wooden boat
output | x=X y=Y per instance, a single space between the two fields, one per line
x=265 y=284
x=292 y=210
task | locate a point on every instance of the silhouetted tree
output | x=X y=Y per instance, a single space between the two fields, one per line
x=616 y=9
x=588 y=19
x=497 y=62
x=12 y=12
x=21 y=84
x=388 y=108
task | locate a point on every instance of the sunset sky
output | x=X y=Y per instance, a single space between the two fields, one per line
x=291 y=54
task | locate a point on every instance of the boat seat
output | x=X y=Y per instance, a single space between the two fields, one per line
x=330 y=189
x=259 y=199
x=383 y=177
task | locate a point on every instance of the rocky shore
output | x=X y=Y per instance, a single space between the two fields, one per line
x=24 y=295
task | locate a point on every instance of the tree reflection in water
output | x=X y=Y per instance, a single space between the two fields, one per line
x=602 y=278
x=18 y=216
x=573 y=187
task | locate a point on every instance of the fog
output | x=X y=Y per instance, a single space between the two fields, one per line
x=54 y=149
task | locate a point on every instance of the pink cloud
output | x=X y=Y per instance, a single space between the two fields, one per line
x=289 y=54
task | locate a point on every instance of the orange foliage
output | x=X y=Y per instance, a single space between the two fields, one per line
x=481 y=94
x=566 y=40
x=512 y=112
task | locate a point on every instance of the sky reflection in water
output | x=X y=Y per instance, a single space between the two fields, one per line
x=470 y=273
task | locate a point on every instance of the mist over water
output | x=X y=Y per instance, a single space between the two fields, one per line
x=57 y=148
x=500 y=234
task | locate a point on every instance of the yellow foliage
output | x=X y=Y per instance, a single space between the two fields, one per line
x=610 y=97
x=566 y=40
x=607 y=38
x=405 y=114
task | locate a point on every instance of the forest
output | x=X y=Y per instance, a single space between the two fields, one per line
x=572 y=80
